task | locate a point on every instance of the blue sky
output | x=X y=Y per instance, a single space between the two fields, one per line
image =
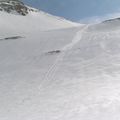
x=76 y=10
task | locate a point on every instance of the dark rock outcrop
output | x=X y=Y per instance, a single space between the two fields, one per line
x=14 y=6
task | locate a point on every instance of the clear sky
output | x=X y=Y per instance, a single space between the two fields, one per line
x=76 y=10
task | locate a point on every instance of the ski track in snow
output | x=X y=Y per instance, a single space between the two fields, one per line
x=50 y=75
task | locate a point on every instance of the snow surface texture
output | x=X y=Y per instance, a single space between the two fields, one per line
x=51 y=73
x=32 y=23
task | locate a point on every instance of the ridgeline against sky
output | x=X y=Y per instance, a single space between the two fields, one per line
x=76 y=9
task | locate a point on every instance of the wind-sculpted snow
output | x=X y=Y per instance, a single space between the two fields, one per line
x=59 y=74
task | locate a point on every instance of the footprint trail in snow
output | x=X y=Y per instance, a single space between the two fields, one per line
x=53 y=69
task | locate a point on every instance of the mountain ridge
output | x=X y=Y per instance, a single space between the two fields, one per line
x=15 y=6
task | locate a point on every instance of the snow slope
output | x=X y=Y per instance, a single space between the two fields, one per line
x=33 y=22
x=50 y=70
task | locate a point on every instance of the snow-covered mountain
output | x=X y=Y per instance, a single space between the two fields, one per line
x=112 y=20
x=54 y=69
x=15 y=6
x=15 y=15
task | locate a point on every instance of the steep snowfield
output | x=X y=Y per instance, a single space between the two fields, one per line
x=33 y=22
x=51 y=73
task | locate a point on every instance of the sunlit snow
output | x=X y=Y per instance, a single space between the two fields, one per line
x=53 y=69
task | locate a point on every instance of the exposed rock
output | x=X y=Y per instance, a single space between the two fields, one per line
x=14 y=6
x=54 y=52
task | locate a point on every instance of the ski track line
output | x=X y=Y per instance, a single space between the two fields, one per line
x=52 y=70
